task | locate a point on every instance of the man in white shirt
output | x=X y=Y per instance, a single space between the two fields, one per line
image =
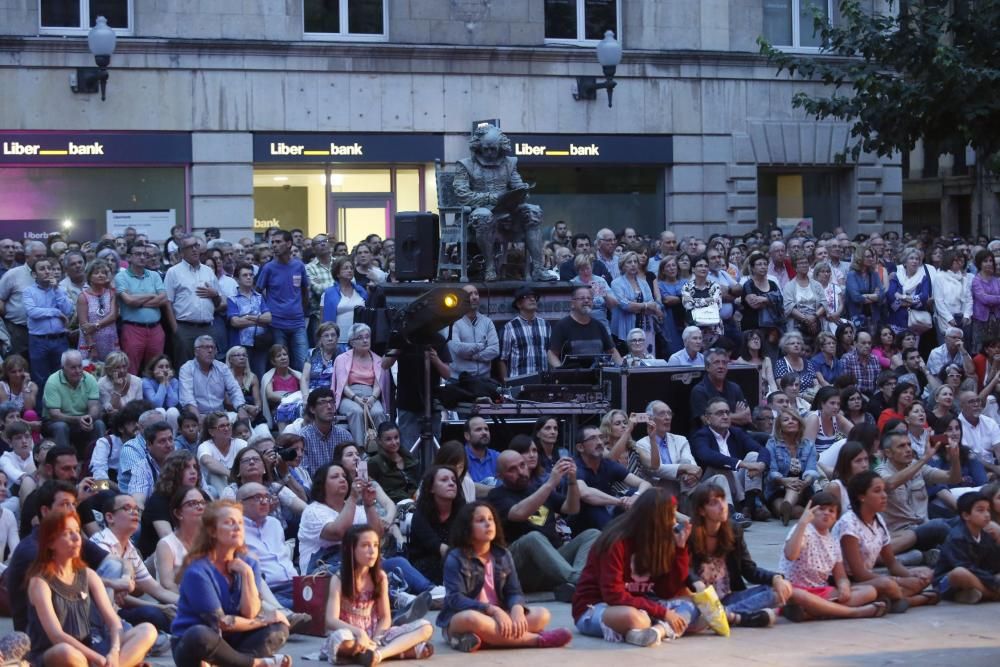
x=691 y=354
x=12 y=286
x=980 y=433
x=953 y=352
x=194 y=295
x=473 y=343
x=205 y=382
x=265 y=538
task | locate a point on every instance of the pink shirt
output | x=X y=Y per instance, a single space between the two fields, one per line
x=488 y=594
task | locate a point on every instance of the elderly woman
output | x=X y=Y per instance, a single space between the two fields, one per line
x=763 y=303
x=670 y=284
x=360 y=384
x=249 y=320
x=604 y=298
x=952 y=289
x=703 y=301
x=985 y=300
x=341 y=298
x=833 y=296
x=792 y=345
x=117 y=386
x=804 y=301
x=864 y=289
x=97 y=311
x=638 y=307
x=909 y=293
x=638 y=348
x=318 y=369
x=793 y=466
x=217 y=452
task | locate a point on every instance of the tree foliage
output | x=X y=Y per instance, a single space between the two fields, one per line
x=928 y=69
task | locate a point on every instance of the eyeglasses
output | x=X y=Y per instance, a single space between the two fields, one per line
x=325 y=401
x=719 y=413
x=260 y=498
x=251 y=459
x=197 y=504
x=637 y=340
x=189 y=246
x=129 y=509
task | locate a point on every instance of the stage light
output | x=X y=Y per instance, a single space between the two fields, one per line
x=425 y=316
x=450 y=300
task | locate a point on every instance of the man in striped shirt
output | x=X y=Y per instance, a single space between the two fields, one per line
x=525 y=338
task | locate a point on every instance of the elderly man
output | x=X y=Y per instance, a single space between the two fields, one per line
x=952 y=353
x=205 y=383
x=980 y=433
x=667 y=246
x=779 y=269
x=715 y=385
x=193 y=292
x=542 y=559
x=606 y=253
x=72 y=404
x=861 y=364
x=691 y=354
x=12 y=286
x=473 y=343
x=265 y=539
x=142 y=294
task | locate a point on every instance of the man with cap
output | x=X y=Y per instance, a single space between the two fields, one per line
x=525 y=338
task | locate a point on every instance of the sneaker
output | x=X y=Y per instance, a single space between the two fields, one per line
x=762 y=618
x=968 y=596
x=418 y=608
x=297 y=620
x=931 y=557
x=437 y=597
x=421 y=651
x=161 y=646
x=741 y=520
x=401 y=599
x=794 y=613
x=554 y=638
x=466 y=642
x=564 y=592
x=646 y=637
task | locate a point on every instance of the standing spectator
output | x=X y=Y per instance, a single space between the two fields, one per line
x=525 y=338
x=779 y=268
x=908 y=295
x=285 y=286
x=804 y=301
x=718 y=273
x=342 y=297
x=865 y=290
x=952 y=289
x=97 y=312
x=321 y=278
x=473 y=342
x=638 y=307
x=142 y=294
x=985 y=300
x=206 y=383
x=72 y=404
x=193 y=292
x=763 y=302
x=366 y=273
x=702 y=300
x=48 y=311
x=833 y=293
x=12 y=285
x=249 y=320
x=670 y=284
x=321 y=436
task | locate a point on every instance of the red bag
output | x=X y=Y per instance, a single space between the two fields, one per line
x=309 y=595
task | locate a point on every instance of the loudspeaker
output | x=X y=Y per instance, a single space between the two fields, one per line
x=416 y=245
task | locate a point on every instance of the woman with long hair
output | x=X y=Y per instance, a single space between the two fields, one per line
x=904 y=339
x=851 y=460
x=526 y=447
x=864 y=539
x=852 y=404
x=358 y=615
x=250 y=466
x=825 y=424
x=238 y=361
x=453 y=455
x=639 y=551
x=670 y=284
x=944 y=501
x=720 y=558
x=180 y=469
x=478 y=614
x=886 y=348
x=220 y=619
x=545 y=435
x=793 y=466
x=944 y=407
x=902 y=397
x=161 y=387
x=61 y=590
x=187 y=505
x=348 y=456
x=616 y=430
x=437 y=506
x=684 y=266
x=845 y=338
x=752 y=352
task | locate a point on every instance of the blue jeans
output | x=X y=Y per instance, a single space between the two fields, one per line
x=591 y=622
x=282 y=591
x=296 y=342
x=45 y=356
x=415 y=581
x=754 y=598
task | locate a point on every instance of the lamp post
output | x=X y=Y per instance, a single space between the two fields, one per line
x=609 y=54
x=101 y=42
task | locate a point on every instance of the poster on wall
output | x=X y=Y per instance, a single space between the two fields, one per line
x=788 y=226
x=39 y=229
x=155 y=224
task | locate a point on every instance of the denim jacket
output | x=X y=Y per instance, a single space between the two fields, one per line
x=463 y=580
x=781 y=461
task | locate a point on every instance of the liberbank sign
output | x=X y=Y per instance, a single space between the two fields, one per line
x=357 y=147
x=632 y=149
x=94 y=148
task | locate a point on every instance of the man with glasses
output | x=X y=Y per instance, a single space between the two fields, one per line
x=715 y=385
x=193 y=297
x=205 y=383
x=952 y=353
x=606 y=253
x=980 y=433
x=722 y=449
x=265 y=539
x=320 y=279
x=579 y=334
x=121 y=516
x=321 y=436
x=141 y=295
x=598 y=478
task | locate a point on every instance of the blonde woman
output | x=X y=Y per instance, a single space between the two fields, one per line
x=793 y=466
x=117 y=386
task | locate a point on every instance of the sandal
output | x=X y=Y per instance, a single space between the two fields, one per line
x=421 y=651
x=931 y=597
x=881 y=609
x=278 y=660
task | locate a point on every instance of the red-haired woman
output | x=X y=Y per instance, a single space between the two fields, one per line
x=60 y=589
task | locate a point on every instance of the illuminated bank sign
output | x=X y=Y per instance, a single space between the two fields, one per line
x=65 y=148
x=365 y=147
x=593 y=148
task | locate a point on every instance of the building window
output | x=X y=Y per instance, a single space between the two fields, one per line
x=790 y=22
x=789 y=197
x=581 y=20
x=363 y=20
x=77 y=17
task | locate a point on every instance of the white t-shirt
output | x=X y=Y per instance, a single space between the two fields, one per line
x=345 y=314
x=314 y=518
x=208 y=447
x=871 y=539
x=981 y=438
x=15 y=467
x=817 y=558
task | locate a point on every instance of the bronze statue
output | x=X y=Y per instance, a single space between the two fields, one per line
x=488 y=181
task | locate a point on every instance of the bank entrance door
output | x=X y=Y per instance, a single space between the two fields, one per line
x=354 y=217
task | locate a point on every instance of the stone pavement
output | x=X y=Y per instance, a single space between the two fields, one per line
x=945 y=635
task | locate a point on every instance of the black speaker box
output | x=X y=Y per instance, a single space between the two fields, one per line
x=416 y=245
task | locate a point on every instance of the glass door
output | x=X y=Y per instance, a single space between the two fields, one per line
x=357 y=216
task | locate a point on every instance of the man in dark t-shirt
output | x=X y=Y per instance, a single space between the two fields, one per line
x=606 y=486
x=543 y=562
x=579 y=334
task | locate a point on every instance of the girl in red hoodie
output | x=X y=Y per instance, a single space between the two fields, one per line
x=633 y=586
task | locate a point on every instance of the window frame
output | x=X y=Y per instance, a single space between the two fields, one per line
x=796 y=45
x=581 y=27
x=343 y=35
x=82 y=31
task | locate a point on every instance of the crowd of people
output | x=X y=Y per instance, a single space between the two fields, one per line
x=190 y=425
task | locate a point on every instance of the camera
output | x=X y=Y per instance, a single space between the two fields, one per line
x=288 y=454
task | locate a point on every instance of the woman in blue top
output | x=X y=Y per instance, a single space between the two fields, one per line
x=864 y=290
x=341 y=298
x=670 y=284
x=909 y=290
x=318 y=369
x=638 y=307
x=793 y=466
x=161 y=388
x=219 y=617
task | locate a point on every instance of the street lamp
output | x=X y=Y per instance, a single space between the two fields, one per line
x=609 y=54
x=101 y=42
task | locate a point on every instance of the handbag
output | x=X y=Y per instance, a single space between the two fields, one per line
x=371 y=433
x=309 y=596
x=706 y=316
x=919 y=321
x=263 y=338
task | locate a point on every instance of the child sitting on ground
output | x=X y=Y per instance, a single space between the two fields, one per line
x=968 y=568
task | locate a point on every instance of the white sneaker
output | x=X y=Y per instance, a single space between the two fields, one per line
x=438 y=593
x=402 y=600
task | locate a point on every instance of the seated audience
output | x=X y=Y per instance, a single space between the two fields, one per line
x=178 y=470
x=265 y=540
x=482 y=459
x=106 y=457
x=348 y=456
x=117 y=386
x=187 y=505
x=161 y=387
x=218 y=451
x=321 y=436
x=281 y=382
x=452 y=454
x=437 y=506
x=793 y=466
x=206 y=383
x=72 y=404
x=595 y=475
x=360 y=383
x=969 y=568
x=393 y=467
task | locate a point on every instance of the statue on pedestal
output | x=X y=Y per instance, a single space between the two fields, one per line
x=488 y=182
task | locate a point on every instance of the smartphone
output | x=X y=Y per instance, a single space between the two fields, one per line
x=363 y=470
x=640 y=417
x=939 y=439
x=101 y=485
x=563 y=453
